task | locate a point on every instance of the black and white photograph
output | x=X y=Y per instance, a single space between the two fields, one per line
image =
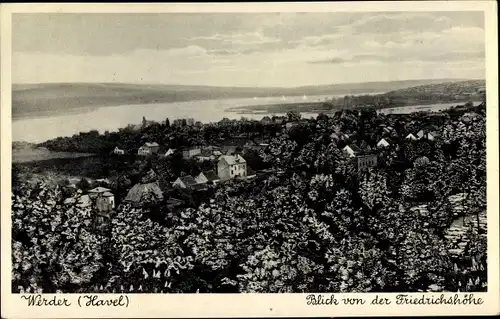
x=249 y=152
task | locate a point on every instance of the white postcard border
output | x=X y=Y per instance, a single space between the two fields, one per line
x=251 y=305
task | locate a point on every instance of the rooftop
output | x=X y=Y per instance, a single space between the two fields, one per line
x=99 y=190
x=151 y=144
x=139 y=191
x=210 y=175
x=355 y=148
x=188 y=180
x=232 y=160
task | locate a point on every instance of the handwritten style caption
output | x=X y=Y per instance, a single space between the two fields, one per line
x=398 y=299
x=82 y=301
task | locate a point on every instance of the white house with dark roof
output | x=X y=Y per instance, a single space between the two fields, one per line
x=169 y=152
x=144 y=193
x=207 y=177
x=118 y=151
x=185 y=182
x=428 y=135
x=383 y=143
x=231 y=166
x=188 y=153
x=103 y=198
x=352 y=150
x=148 y=149
x=411 y=137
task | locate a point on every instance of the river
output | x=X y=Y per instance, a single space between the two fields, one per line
x=419 y=108
x=111 y=118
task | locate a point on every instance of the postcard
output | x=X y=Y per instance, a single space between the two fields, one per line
x=249 y=159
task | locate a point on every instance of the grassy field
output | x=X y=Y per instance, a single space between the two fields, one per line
x=39 y=154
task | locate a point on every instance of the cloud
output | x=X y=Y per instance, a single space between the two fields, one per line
x=318 y=40
x=407 y=22
x=416 y=57
x=238 y=38
x=247 y=49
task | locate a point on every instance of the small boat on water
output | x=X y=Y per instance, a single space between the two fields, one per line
x=283 y=98
x=304 y=97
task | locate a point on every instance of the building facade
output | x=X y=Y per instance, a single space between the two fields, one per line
x=366 y=161
x=102 y=198
x=191 y=152
x=383 y=143
x=230 y=167
x=185 y=182
x=207 y=177
x=148 y=149
x=118 y=151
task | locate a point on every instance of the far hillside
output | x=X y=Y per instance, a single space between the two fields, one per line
x=49 y=99
x=470 y=87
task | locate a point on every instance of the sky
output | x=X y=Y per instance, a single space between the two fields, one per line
x=247 y=49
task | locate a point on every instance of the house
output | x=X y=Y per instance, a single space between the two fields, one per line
x=469 y=117
x=421 y=134
x=291 y=125
x=187 y=154
x=169 y=152
x=103 y=181
x=411 y=137
x=118 y=151
x=266 y=120
x=148 y=149
x=207 y=177
x=429 y=135
x=230 y=166
x=103 y=198
x=144 y=193
x=84 y=201
x=225 y=122
x=352 y=150
x=383 y=143
x=204 y=158
x=184 y=182
x=366 y=161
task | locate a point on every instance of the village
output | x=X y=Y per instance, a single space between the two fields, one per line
x=228 y=161
x=393 y=162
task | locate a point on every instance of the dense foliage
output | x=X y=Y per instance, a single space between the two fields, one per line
x=314 y=224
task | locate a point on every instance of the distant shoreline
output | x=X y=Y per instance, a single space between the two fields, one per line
x=58 y=99
x=310 y=107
